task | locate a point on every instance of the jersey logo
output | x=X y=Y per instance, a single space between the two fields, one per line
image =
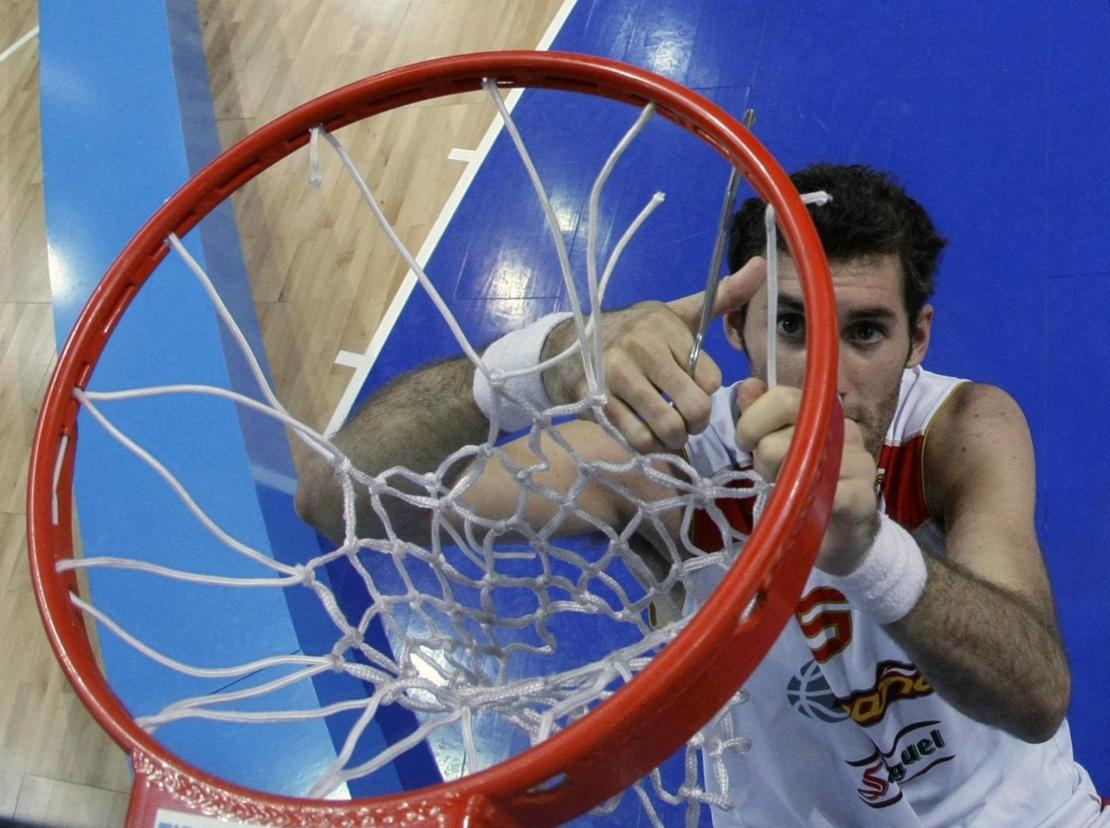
x=826 y=622
x=875 y=788
x=916 y=750
x=825 y=619
x=894 y=681
x=809 y=693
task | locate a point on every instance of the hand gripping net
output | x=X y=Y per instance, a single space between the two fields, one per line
x=477 y=622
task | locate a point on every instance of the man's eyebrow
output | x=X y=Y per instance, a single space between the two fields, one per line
x=877 y=312
x=795 y=304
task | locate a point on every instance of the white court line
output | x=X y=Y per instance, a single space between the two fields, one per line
x=362 y=363
x=460 y=154
x=11 y=49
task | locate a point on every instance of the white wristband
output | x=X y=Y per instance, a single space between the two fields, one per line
x=891 y=579
x=514 y=351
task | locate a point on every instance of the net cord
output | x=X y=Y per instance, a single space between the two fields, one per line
x=770 y=228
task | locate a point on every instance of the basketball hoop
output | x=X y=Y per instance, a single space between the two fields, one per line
x=608 y=749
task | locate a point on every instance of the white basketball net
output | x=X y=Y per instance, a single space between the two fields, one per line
x=475 y=619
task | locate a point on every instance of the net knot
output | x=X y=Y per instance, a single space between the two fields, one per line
x=341 y=463
x=352 y=639
x=739 y=745
x=704 y=491
x=305 y=574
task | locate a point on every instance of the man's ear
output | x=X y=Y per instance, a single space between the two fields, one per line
x=734 y=328
x=920 y=336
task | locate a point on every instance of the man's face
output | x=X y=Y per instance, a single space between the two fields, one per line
x=876 y=338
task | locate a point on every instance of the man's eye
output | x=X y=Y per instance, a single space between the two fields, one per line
x=791 y=325
x=867 y=332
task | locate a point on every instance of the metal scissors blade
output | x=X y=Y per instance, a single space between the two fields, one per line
x=734 y=181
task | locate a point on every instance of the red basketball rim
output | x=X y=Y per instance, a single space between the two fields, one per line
x=644 y=722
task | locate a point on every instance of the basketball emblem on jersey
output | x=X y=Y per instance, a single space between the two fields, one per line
x=809 y=694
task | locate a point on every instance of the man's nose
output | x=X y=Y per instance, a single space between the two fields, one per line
x=842 y=379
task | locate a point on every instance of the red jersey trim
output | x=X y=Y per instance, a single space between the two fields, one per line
x=737 y=511
x=901 y=481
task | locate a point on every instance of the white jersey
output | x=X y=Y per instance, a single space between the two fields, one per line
x=844 y=729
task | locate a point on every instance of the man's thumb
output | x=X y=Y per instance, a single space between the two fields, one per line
x=750 y=390
x=737 y=290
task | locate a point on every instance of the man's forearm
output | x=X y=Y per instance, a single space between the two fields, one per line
x=987 y=652
x=416 y=422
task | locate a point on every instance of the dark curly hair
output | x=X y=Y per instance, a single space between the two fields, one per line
x=869 y=214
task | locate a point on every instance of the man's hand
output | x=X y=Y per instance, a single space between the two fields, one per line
x=653 y=400
x=765 y=429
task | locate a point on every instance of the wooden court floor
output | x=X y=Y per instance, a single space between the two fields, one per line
x=56 y=767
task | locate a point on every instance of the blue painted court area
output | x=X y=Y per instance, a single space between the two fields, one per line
x=989 y=114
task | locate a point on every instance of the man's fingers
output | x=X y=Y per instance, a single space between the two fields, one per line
x=770 y=451
x=855 y=492
x=853 y=435
x=648 y=374
x=690 y=396
x=774 y=410
x=632 y=426
x=707 y=374
x=858 y=465
x=665 y=423
x=738 y=289
x=669 y=422
x=733 y=292
x=750 y=390
x=656 y=403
